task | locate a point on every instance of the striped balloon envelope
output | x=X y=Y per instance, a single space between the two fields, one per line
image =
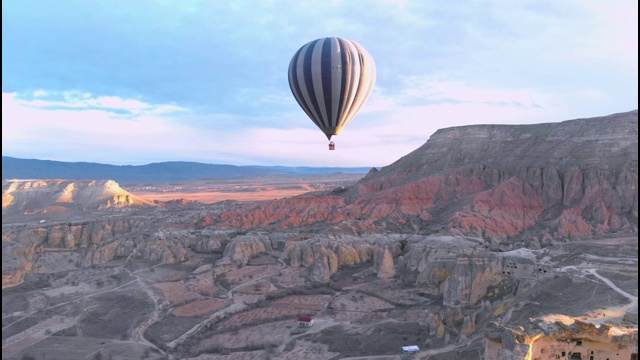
x=331 y=78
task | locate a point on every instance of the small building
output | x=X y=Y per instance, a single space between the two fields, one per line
x=411 y=349
x=305 y=321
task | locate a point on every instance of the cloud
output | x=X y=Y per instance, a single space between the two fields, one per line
x=258 y=98
x=207 y=80
x=84 y=101
x=87 y=128
x=77 y=124
x=592 y=95
x=611 y=33
x=82 y=127
x=422 y=91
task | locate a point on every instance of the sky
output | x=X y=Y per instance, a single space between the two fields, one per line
x=135 y=82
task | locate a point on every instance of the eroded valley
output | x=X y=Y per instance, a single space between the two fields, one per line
x=525 y=250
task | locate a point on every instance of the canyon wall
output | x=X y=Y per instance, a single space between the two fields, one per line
x=526 y=185
x=65 y=246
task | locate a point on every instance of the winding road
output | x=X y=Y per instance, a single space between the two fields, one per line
x=138 y=333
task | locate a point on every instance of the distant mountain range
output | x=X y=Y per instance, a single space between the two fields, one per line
x=15 y=168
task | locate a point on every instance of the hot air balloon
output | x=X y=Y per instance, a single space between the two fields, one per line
x=331 y=78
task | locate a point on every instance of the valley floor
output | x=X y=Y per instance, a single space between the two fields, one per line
x=193 y=311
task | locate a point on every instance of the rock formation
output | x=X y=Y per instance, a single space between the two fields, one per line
x=578 y=340
x=242 y=248
x=49 y=197
x=468 y=223
x=524 y=184
x=98 y=242
x=384 y=264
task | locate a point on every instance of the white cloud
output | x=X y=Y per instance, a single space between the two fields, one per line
x=114 y=102
x=388 y=128
x=439 y=65
x=94 y=134
x=374 y=138
x=610 y=34
x=417 y=91
x=78 y=100
x=263 y=97
x=380 y=138
x=399 y=3
x=592 y=95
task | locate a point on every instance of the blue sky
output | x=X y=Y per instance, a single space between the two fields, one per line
x=135 y=82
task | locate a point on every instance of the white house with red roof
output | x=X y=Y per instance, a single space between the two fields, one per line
x=305 y=321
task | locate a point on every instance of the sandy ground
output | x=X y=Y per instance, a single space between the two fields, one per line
x=210 y=197
x=181 y=292
x=245 y=355
x=35 y=334
x=261 y=315
x=247 y=273
x=358 y=302
x=608 y=315
x=311 y=302
x=272 y=333
x=307 y=351
x=290 y=277
x=256 y=288
x=200 y=307
x=246 y=189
